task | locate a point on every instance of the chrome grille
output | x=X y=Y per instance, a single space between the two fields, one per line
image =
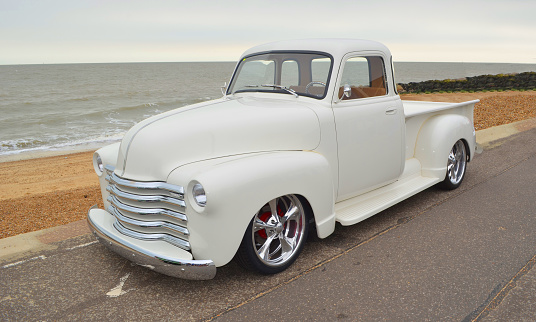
x=148 y=210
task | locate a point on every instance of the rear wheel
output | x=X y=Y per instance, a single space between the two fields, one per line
x=275 y=236
x=456 y=164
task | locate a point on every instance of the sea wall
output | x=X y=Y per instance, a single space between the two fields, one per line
x=521 y=81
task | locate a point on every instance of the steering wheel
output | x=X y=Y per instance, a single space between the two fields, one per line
x=311 y=84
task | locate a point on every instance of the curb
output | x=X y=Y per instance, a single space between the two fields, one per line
x=488 y=137
x=23 y=245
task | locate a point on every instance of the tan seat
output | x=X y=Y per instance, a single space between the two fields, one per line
x=362 y=92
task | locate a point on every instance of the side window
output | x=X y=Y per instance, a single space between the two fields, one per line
x=290 y=73
x=365 y=76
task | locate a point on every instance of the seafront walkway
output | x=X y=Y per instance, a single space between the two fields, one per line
x=463 y=255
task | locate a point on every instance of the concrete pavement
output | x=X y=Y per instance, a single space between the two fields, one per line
x=466 y=254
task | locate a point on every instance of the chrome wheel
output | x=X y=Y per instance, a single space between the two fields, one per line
x=275 y=236
x=278 y=230
x=456 y=164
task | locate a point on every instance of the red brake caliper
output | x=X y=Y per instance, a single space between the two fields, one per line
x=264 y=217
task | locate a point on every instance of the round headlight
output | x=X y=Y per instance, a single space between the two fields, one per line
x=200 y=197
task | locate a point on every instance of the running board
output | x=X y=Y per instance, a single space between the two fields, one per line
x=354 y=210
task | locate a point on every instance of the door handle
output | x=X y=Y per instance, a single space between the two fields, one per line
x=390 y=111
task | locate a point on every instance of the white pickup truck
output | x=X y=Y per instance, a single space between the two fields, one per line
x=308 y=133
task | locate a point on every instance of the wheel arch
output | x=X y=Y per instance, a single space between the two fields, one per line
x=307 y=207
x=467 y=149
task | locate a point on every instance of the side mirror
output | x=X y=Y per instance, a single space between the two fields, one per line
x=224 y=88
x=346 y=91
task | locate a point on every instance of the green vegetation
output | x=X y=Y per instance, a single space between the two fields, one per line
x=500 y=82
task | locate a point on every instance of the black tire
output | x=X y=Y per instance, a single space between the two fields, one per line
x=456 y=166
x=275 y=236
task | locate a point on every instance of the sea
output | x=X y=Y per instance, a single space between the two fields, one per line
x=75 y=107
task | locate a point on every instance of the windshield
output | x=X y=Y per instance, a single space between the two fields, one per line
x=295 y=73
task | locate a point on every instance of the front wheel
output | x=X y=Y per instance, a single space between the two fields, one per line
x=456 y=164
x=275 y=236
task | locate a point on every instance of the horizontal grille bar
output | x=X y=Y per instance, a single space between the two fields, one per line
x=145 y=198
x=148 y=224
x=113 y=178
x=146 y=211
x=142 y=236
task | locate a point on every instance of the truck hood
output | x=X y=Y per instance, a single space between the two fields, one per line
x=158 y=145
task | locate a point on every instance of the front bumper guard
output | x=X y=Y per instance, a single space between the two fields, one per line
x=159 y=256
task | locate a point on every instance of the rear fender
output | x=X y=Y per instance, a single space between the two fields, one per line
x=437 y=137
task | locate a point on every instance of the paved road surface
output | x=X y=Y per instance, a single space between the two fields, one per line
x=461 y=255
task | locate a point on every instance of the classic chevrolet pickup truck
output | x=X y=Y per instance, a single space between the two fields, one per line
x=308 y=133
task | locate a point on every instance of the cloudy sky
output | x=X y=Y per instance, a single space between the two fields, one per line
x=84 y=31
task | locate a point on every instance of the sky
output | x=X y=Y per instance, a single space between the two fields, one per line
x=98 y=31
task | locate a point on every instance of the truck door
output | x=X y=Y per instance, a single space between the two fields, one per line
x=370 y=127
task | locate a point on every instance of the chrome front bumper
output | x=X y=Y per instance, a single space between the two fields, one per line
x=159 y=256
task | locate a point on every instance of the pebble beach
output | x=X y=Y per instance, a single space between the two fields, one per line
x=45 y=192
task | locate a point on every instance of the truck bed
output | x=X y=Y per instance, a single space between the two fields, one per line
x=417 y=113
x=414 y=108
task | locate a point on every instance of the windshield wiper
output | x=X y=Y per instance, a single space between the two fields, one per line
x=290 y=91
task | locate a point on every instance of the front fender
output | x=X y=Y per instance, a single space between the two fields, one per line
x=237 y=187
x=436 y=138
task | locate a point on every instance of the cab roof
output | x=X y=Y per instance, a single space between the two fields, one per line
x=337 y=47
